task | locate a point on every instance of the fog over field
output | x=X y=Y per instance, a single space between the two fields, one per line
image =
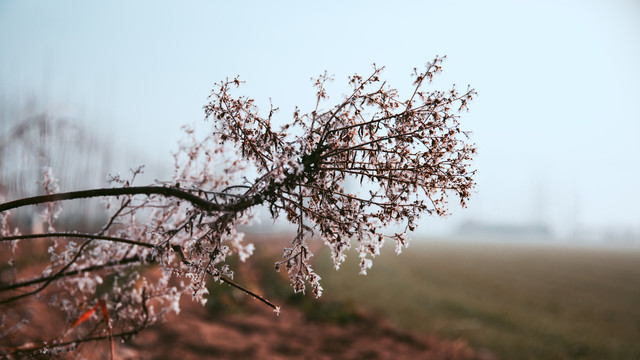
x=556 y=121
x=544 y=263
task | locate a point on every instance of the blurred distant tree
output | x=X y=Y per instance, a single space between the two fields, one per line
x=33 y=138
x=408 y=155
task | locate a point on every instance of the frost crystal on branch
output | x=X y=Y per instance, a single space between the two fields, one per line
x=409 y=154
x=406 y=155
x=50 y=185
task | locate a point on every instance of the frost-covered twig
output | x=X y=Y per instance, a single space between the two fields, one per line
x=407 y=155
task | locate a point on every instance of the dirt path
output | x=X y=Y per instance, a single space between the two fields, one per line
x=259 y=334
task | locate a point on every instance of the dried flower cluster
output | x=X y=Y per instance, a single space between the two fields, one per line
x=343 y=174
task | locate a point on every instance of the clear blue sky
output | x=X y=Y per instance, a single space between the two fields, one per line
x=556 y=121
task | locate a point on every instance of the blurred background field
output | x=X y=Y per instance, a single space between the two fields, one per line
x=472 y=299
x=517 y=300
x=552 y=123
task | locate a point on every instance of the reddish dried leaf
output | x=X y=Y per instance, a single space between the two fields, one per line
x=84 y=316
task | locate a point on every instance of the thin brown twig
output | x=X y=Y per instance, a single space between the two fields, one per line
x=178 y=250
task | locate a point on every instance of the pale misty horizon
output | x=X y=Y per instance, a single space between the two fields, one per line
x=556 y=120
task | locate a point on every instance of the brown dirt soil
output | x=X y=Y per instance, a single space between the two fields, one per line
x=259 y=334
x=241 y=328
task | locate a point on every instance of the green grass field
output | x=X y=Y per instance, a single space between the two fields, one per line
x=519 y=301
